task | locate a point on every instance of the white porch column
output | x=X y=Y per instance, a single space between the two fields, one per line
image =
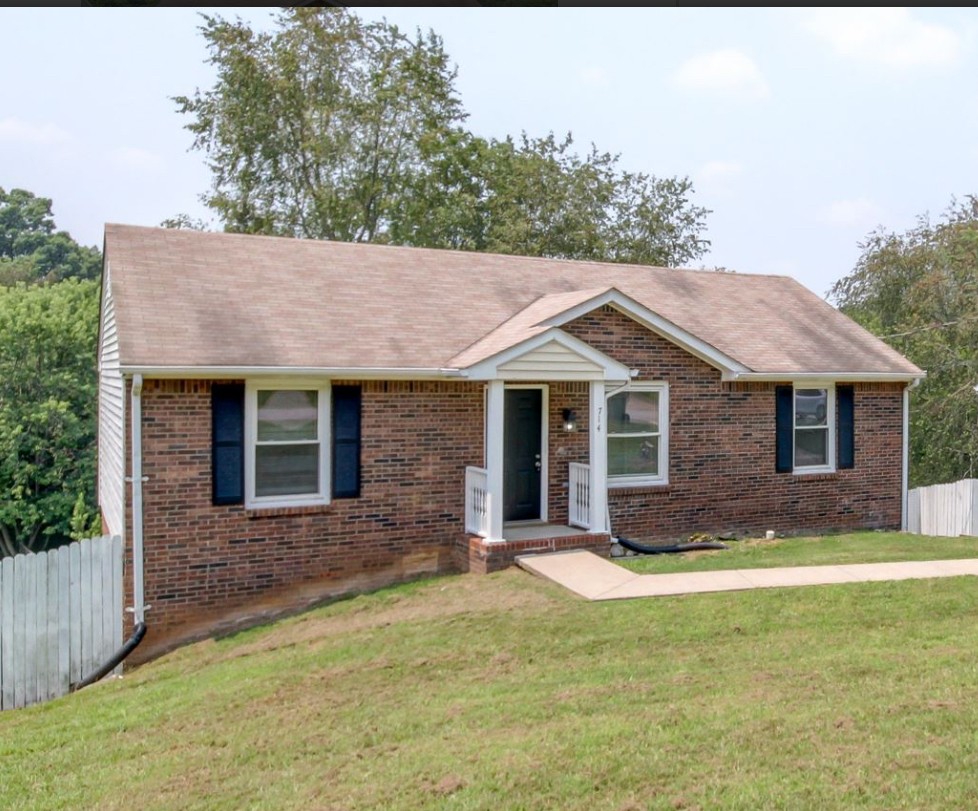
x=598 y=458
x=495 y=403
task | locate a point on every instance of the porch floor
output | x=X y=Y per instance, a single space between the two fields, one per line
x=533 y=531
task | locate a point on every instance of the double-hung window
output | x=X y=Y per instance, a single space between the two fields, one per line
x=814 y=431
x=276 y=444
x=638 y=435
x=808 y=419
x=288 y=432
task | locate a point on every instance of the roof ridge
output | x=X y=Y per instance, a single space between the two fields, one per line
x=456 y=251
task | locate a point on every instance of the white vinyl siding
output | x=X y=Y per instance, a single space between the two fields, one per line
x=552 y=361
x=111 y=419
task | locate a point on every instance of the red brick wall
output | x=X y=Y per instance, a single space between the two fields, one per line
x=203 y=561
x=565 y=447
x=722 y=446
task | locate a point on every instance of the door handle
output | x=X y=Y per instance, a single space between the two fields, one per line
x=538 y=464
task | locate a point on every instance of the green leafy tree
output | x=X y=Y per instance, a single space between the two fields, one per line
x=331 y=128
x=48 y=397
x=31 y=250
x=537 y=197
x=184 y=222
x=918 y=290
x=314 y=130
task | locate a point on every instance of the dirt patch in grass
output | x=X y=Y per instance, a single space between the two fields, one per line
x=440 y=598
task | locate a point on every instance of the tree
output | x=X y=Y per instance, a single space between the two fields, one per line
x=330 y=128
x=314 y=130
x=48 y=396
x=32 y=250
x=918 y=290
x=537 y=197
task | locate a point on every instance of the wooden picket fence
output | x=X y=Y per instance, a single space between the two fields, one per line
x=944 y=509
x=60 y=618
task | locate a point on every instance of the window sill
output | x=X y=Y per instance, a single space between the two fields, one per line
x=272 y=511
x=815 y=475
x=630 y=488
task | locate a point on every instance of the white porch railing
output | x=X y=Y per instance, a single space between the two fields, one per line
x=579 y=507
x=477 y=501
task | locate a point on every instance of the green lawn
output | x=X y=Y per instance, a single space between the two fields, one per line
x=757 y=553
x=507 y=692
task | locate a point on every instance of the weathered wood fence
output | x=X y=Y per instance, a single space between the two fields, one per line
x=944 y=509
x=60 y=618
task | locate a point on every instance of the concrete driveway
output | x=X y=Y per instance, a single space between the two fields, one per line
x=596 y=578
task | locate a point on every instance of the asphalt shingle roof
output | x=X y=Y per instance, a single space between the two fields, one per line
x=188 y=299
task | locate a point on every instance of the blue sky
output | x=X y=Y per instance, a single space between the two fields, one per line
x=802 y=130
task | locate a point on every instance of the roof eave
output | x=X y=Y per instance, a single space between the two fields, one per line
x=344 y=372
x=831 y=377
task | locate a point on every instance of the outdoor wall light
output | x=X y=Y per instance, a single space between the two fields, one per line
x=570 y=419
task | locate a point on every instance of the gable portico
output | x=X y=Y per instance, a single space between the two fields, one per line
x=552 y=356
x=532 y=346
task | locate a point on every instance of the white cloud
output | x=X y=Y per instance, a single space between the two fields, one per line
x=717 y=177
x=726 y=71
x=593 y=76
x=858 y=213
x=891 y=37
x=136 y=159
x=19 y=131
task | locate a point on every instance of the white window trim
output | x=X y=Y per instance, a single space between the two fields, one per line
x=252 y=387
x=622 y=480
x=830 y=420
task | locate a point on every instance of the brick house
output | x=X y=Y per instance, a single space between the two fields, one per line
x=282 y=420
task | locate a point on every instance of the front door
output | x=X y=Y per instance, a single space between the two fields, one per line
x=522 y=460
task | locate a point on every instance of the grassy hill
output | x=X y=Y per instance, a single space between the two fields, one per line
x=506 y=692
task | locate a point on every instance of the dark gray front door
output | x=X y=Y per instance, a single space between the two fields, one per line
x=522 y=458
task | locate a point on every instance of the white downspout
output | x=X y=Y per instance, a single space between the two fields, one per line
x=137 y=479
x=906 y=458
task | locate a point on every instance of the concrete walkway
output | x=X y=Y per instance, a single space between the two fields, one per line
x=596 y=578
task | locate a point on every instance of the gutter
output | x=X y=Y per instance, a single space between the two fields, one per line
x=814 y=377
x=336 y=372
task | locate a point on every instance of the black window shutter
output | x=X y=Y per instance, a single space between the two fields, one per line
x=227 y=442
x=845 y=399
x=346 y=441
x=784 y=397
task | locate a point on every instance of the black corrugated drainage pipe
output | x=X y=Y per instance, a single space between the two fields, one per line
x=678 y=547
x=117 y=658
